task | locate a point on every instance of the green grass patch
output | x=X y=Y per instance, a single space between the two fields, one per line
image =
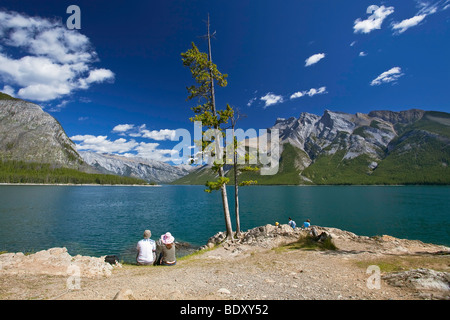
x=4 y=96
x=333 y=169
x=405 y=263
x=196 y=253
x=288 y=172
x=308 y=243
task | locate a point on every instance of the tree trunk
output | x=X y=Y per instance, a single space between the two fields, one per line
x=236 y=188
x=226 y=209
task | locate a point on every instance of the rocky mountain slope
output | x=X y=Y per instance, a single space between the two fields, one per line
x=28 y=133
x=31 y=135
x=382 y=147
x=149 y=170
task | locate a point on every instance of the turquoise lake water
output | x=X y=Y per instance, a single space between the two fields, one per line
x=96 y=220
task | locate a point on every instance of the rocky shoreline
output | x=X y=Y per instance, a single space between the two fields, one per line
x=254 y=265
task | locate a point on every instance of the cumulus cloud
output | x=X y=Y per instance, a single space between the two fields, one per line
x=121 y=146
x=296 y=95
x=271 y=99
x=151 y=151
x=103 y=145
x=374 y=21
x=8 y=90
x=54 y=61
x=311 y=92
x=141 y=132
x=123 y=127
x=159 y=135
x=391 y=75
x=314 y=59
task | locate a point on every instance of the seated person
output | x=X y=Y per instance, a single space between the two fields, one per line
x=146 y=250
x=292 y=223
x=307 y=223
x=166 y=246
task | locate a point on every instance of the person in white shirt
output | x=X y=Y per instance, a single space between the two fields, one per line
x=146 y=250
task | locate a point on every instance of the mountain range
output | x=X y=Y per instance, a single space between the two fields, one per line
x=381 y=147
x=29 y=134
x=149 y=170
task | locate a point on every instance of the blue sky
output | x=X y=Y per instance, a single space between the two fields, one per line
x=118 y=84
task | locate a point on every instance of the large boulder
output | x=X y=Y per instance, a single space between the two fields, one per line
x=429 y=283
x=54 y=261
x=264 y=236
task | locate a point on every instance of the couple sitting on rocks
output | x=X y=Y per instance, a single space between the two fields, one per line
x=148 y=249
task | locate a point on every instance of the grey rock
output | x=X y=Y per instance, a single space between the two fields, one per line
x=336 y=131
x=429 y=283
x=28 y=133
x=54 y=261
x=124 y=294
x=223 y=291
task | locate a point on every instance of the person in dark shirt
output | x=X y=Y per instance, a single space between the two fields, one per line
x=166 y=247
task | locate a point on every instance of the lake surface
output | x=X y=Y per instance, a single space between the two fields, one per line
x=101 y=220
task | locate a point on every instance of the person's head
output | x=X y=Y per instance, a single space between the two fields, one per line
x=290 y=219
x=307 y=220
x=147 y=234
x=167 y=239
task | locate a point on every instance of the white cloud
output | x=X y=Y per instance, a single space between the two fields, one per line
x=103 y=144
x=59 y=106
x=446 y=5
x=38 y=77
x=426 y=9
x=271 y=99
x=151 y=151
x=250 y=102
x=404 y=25
x=96 y=75
x=8 y=90
x=362 y=54
x=314 y=59
x=163 y=134
x=55 y=61
x=123 y=127
x=296 y=95
x=311 y=92
x=124 y=147
x=374 y=21
x=388 y=76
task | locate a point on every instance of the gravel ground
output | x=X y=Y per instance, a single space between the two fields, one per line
x=239 y=272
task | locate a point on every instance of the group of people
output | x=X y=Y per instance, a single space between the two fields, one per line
x=161 y=252
x=292 y=223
